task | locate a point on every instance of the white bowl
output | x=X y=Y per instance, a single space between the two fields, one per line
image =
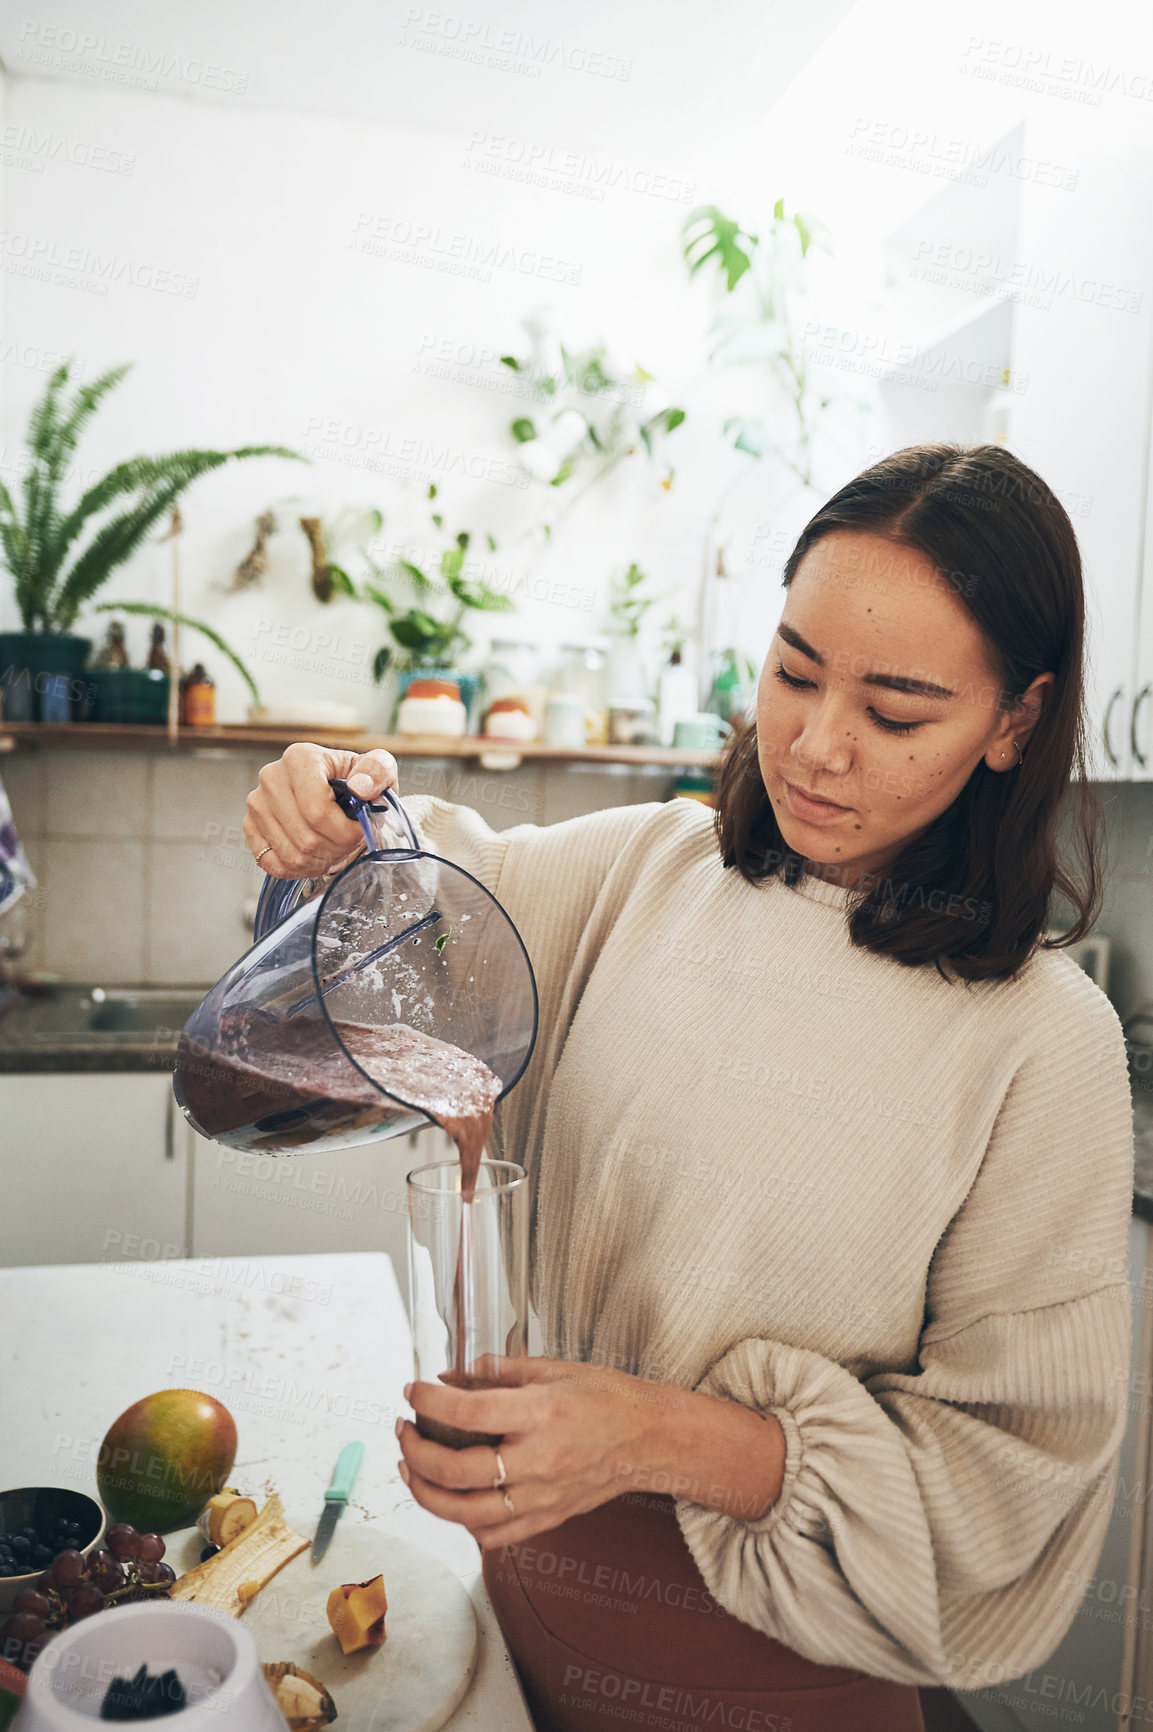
x=213 y=1656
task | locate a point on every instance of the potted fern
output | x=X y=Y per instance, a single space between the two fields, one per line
x=58 y=557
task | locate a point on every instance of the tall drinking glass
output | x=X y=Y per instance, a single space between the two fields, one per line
x=468 y=1281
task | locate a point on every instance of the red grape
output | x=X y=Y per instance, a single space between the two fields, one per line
x=147 y=1573
x=31 y=1600
x=66 y=1570
x=165 y=1573
x=123 y=1541
x=21 y=1639
x=152 y=1548
x=85 y=1600
x=105 y=1571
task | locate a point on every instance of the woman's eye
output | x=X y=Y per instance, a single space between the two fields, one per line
x=882 y=722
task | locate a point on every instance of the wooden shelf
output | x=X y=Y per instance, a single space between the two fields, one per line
x=108 y=736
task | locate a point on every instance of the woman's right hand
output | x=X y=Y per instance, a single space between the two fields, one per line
x=293 y=826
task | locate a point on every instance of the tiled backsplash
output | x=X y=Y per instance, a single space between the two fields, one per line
x=144 y=873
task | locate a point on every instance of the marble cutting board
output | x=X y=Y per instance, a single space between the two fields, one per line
x=417 y=1678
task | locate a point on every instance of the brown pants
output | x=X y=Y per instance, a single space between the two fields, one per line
x=611 y=1625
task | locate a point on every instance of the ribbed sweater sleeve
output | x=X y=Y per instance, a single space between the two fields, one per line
x=927 y=1518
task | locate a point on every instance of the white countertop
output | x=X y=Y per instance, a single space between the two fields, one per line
x=307 y=1353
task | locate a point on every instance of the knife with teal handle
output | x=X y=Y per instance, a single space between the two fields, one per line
x=337 y=1496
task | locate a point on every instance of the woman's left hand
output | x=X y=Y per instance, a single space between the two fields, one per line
x=573 y=1436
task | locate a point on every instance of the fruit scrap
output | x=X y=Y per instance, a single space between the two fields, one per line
x=224 y=1516
x=245 y=1565
x=301 y=1698
x=143 y=1697
x=356 y=1612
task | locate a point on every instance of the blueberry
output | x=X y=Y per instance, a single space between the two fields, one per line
x=31 y=1535
x=20 y=1545
x=41 y=1557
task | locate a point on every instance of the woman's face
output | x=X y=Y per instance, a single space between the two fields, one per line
x=865 y=616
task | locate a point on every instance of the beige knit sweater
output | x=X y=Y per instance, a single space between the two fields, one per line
x=890 y=1210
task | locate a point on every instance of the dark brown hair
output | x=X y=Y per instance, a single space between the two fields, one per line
x=972 y=893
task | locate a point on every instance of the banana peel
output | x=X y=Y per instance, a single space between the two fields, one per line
x=233 y=1578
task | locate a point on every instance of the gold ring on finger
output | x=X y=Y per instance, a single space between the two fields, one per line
x=508 y=1503
x=501 y=1476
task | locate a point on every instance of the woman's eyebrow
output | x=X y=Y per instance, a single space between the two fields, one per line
x=895 y=682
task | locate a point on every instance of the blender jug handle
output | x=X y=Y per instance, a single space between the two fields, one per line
x=354 y=807
x=277 y=895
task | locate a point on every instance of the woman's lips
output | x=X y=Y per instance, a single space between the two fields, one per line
x=812 y=811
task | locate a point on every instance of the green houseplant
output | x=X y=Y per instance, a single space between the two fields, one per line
x=429 y=635
x=58 y=557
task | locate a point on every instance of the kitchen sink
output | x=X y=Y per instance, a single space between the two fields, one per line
x=99 y=1013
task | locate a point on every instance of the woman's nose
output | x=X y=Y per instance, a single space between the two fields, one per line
x=825 y=742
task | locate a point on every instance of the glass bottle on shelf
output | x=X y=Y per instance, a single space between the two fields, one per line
x=676 y=694
x=198 y=698
x=158 y=655
x=582 y=671
x=113 y=652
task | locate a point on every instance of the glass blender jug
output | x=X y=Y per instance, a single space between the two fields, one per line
x=364 y=1004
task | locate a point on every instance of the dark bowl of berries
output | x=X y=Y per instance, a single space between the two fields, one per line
x=80 y=1567
x=36 y=1524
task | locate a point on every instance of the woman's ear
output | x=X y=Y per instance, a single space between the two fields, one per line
x=1018 y=723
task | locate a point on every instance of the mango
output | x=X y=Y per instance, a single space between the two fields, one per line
x=356 y=1613
x=163 y=1458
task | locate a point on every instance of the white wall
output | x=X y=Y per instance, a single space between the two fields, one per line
x=219 y=252
x=287 y=327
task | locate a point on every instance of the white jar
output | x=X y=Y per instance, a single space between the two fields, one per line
x=565 y=722
x=513 y=670
x=510 y=719
x=432 y=707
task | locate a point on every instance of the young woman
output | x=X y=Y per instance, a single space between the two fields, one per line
x=831 y=1157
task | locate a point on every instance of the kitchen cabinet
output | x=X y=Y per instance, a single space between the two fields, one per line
x=102 y=1167
x=1022 y=309
x=1104 y=1665
x=96 y=1168
x=1081 y=341
x=1141 y=710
